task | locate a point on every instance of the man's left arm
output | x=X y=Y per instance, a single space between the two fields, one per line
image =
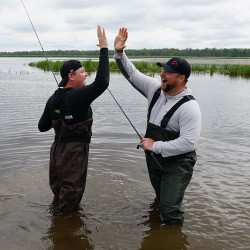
x=89 y=93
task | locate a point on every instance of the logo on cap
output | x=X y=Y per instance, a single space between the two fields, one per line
x=175 y=63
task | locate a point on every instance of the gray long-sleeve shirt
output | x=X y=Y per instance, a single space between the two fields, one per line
x=186 y=120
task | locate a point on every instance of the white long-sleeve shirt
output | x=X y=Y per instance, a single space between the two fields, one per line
x=186 y=119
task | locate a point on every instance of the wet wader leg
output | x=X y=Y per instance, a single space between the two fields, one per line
x=154 y=175
x=74 y=177
x=173 y=185
x=54 y=180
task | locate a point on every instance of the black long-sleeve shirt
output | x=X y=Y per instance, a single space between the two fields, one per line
x=72 y=105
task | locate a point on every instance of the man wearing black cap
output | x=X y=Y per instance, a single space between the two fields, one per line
x=173 y=129
x=69 y=113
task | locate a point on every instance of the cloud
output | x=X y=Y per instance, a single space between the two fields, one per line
x=63 y=24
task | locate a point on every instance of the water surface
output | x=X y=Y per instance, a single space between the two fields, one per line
x=118 y=209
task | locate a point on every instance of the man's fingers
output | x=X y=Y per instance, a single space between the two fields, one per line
x=123 y=31
x=98 y=30
x=101 y=33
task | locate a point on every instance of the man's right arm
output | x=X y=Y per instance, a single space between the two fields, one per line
x=144 y=84
x=45 y=122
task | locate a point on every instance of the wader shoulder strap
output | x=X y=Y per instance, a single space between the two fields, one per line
x=169 y=114
x=154 y=100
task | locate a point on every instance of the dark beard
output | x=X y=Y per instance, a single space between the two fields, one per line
x=168 y=88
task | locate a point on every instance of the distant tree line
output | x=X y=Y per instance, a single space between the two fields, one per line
x=207 y=52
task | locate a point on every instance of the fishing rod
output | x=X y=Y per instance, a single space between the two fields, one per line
x=150 y=152
x=40 y=42
x=120 y=107
x=125 y=115
x=138 y=146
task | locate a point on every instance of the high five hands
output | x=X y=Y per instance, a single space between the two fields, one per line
x=120 y=40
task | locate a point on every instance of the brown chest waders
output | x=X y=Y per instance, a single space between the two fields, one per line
x=69 y=161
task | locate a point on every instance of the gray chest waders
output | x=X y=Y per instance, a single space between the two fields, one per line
x=171 y=182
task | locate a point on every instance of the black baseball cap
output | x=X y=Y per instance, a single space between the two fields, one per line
x=67 y=68
x=177 y=65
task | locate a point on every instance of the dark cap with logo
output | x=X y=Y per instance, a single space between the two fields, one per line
x=177 y=65
x=68 y=67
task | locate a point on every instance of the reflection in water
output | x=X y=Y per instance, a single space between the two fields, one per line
x=161 y=236
x=67 y=230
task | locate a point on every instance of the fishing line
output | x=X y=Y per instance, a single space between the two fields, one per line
x=39 y=42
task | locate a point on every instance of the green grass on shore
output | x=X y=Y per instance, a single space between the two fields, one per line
x=147 y=67
x=226 y=69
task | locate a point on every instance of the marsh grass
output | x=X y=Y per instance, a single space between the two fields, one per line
x=152 y=68
x=89 y=65
x=226 y=69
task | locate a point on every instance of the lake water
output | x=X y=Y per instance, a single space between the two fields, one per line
x=118 y=210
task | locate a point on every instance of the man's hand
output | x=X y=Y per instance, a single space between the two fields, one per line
x=103 y=42
x=147 y=144
x=120 y=40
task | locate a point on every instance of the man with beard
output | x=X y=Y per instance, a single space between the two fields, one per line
x=173 y=129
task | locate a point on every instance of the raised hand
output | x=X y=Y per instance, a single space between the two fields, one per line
x=103 y=42
x=120 y=40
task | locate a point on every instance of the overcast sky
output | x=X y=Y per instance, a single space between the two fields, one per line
x=71 y=24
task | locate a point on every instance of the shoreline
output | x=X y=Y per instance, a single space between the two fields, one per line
x=234 y=70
